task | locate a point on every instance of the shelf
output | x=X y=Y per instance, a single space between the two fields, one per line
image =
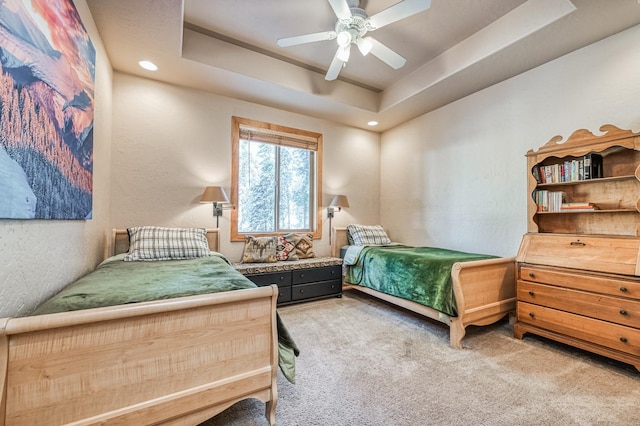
x=587 y=181
x=591 y=211
x=616 y=196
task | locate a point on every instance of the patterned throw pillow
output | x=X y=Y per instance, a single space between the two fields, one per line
x=259 y=249
x=304 y=245
x=158 y=243
x=363 y=235
x=286 y=248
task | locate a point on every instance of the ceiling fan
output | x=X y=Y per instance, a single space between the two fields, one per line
x=352 y=26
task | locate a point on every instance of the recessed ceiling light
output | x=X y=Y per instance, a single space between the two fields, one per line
x=148 y=65
x=372 y=123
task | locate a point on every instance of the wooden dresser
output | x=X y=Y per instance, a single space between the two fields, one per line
x=578 y=273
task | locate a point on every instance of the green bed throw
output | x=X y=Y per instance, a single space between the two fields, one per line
x=419 y=274
x=116 y=282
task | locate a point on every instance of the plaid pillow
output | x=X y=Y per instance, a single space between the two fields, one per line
x=368 y=235
x=157 y=243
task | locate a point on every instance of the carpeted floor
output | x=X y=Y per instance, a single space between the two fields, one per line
x=366 y=363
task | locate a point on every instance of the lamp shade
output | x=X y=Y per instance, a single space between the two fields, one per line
x=339 y=201
x=214 y=194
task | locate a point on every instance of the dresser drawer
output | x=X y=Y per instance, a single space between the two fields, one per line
x=614 y=336
x=598 y=283
x=316 y=289
x=281 y=279
x=301 y=276
x=618 y=255
x=607 y=308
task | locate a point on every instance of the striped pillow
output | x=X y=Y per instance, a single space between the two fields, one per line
x=157 y=243
x=363 y=235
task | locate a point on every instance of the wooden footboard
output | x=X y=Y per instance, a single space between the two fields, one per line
x=484 y=290
x=176 y=361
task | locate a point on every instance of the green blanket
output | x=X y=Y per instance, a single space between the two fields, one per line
x=116 y=282
x=419 y=274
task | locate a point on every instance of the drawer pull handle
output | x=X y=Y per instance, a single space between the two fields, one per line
x=623 y=339
x=301 y=275
x=578 y=243
x=532 y=275
x=531 y=315
x=531 y=293
x=623 y=312
x=623 y=289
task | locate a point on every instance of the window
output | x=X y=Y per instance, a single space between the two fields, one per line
x=276 y=179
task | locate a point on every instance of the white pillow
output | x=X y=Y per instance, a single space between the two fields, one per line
x=363 y=235
x=158 y=243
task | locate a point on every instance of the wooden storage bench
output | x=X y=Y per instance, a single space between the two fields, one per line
x=298 y=280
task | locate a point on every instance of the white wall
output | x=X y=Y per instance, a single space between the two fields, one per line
x=456 y=177
x=39 y=257
x=170 y=142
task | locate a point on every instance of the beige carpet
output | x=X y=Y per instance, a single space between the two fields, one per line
x=366 y=363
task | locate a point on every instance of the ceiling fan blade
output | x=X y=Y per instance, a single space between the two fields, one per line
x=341 y=8
x=335 y=67
x=398 y=11
x=386 y=55
x=307 y=38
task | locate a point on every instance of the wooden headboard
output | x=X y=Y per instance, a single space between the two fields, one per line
x=339 y=239
x=120 y=240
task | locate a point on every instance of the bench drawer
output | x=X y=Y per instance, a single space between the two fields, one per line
x=284 y=294
x=316 y=289
x=281 y=279
x=327 y=273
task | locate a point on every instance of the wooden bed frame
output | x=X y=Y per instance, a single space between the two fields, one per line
x=485 y=292
x=178 y=361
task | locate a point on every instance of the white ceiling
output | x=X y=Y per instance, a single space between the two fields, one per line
x=453 y=49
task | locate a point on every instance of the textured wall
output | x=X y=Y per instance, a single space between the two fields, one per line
x=171 y=142
x=37 y=257
x=456 y=176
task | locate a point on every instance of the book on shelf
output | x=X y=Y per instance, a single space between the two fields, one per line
x=579 y=206
x=579 y=169
x=593 y=166
x=536 y=175
x=549 y=201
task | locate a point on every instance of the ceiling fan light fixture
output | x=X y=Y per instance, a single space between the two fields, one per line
x=364 y=45
x=344 y=38
x=350 y=28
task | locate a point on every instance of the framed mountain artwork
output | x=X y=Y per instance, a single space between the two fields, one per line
x=47 y=81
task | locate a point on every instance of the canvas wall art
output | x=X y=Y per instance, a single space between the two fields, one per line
x=47 y=78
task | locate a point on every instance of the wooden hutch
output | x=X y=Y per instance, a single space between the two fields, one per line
x=578 y=272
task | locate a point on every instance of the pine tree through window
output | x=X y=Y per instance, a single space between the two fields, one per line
x=275 y=181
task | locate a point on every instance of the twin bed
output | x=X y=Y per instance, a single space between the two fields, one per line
x=462 y=289
x=180 y=360
x=187 y=357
